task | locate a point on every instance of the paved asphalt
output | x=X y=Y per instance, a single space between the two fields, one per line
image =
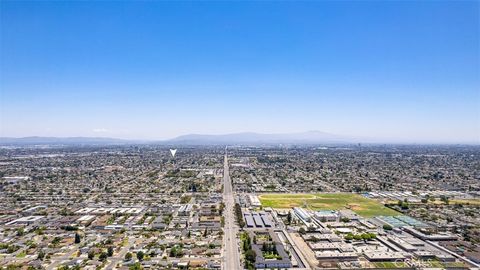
x=231 y=258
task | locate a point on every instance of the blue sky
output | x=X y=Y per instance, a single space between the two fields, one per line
x=405 y=71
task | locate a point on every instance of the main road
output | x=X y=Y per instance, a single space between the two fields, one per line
x=231 y=258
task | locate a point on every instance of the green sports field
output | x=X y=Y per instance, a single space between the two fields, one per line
x=390 y=264
x=328 y=201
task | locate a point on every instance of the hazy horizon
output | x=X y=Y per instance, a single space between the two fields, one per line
x=393 y=71
x=341 y=138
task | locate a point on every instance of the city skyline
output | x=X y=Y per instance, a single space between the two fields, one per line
x=393 y=71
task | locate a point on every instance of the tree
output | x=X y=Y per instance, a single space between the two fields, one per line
x=136 y=266
x=403 y=204
x=250 y=255
x=387 y=227
x=173 y=252
x=176 y=251
x=140 y=255
x=289 y=217
x=345 y=219
x=91 y=254
x=110 y=251
x=77 y=238
x=239 y=215
x=128 y=256
x=366 y=236
x=56 y=240
x=221 y=208
x=301 y=230
x=444 y=199
x=20 y=231
x=103 y=256
x=41 y=255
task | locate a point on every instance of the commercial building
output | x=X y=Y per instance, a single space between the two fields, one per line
x=302 y=214
x=254 y=201
x=327 y=216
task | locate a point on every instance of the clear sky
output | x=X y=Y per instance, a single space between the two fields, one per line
x=406 y=71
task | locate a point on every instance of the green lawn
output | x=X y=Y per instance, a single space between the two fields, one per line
x=439 y=264
x=455 y=264
x=466 y=201
x=390 y=264
x=328 y=201
x=269 y=256
x=21 y=254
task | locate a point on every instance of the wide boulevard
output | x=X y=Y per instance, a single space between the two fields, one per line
x=231 y=256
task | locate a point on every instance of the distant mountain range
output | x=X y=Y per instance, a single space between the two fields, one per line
x=310 y=137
